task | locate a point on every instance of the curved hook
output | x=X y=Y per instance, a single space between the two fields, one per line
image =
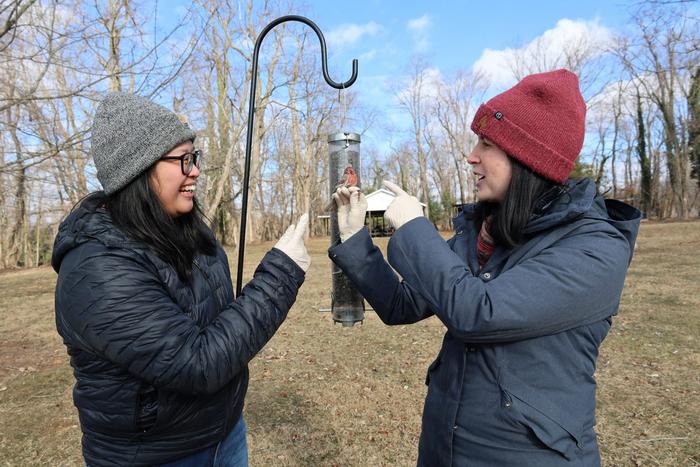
x=324 y=57
x=251 y=113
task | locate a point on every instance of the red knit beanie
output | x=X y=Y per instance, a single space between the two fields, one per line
x=540 y=122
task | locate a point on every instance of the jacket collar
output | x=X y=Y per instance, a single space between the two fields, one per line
x=88 y=221
x=577 y=199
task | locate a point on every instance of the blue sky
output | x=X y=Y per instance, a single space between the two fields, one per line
x=449 y=35
x=452 y=34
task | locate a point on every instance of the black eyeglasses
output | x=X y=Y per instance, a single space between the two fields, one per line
x=187 y=161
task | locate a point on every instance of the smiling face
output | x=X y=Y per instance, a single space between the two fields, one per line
x=175 y=191
x=493 y=170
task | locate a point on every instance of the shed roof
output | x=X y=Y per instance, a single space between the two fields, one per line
x=380 y=200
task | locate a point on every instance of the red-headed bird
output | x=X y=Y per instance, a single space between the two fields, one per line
x=348 y=179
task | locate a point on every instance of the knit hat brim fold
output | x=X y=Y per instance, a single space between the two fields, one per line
x=516 y=142
x=540 y=122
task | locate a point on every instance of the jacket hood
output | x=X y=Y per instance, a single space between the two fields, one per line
x=625 y=218
x=577 y=199
x=581 y=199
x=88 y=221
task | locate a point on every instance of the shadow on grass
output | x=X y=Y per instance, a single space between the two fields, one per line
x=278 y=418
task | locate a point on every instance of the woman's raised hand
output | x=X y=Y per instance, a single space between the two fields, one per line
x=404 y=208
x=292 y=243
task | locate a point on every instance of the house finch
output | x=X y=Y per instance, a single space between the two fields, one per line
x=348 y=179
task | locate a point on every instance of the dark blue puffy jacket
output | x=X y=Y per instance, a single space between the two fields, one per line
x=513 y=384
x=160 y=365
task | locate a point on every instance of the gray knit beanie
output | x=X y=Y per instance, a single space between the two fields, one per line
x=129 y=134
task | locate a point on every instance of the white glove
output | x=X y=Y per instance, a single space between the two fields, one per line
x=352 y=208
x=292 y=243
x=404 y=208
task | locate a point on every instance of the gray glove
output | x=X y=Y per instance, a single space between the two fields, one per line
x=352 y=208
x=292 y=243
x=404 y=208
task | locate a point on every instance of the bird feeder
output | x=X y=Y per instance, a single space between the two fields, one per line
x=347 y=304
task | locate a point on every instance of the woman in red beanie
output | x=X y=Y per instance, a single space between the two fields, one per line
x=526 y=288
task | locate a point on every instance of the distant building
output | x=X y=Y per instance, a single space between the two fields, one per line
x=377 y=202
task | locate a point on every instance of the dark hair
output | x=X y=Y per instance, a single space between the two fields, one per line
x=527 y=193
x=136 y=211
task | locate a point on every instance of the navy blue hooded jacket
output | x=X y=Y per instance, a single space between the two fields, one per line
x=160 y=365
x=513 y=384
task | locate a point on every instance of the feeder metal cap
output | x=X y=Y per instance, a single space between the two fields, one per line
x=343 y=137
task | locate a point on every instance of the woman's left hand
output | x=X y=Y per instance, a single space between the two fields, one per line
x=352 y=209
x=404 y=208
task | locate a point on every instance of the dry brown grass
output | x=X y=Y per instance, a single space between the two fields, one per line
x=325 y=395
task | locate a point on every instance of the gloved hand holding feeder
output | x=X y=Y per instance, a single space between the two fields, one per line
x=352 y=208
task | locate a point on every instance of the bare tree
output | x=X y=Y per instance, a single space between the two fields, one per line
x=456 y=103
x=582 y=54
x=694 y=124
x=660 y=58
x=414 y=100
x=646 y=178
x=51 y=74
x=10 y=13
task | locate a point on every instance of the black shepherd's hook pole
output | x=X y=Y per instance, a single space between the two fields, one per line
x=251 y=112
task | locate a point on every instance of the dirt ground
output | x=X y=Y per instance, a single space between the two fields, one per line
x=324 y=395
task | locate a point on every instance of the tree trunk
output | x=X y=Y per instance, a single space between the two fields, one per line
x=643 y=157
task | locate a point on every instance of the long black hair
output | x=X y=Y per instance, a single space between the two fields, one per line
x=527 y=193
x=136 y=211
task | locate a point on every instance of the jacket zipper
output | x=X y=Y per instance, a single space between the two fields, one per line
x=212 y=288
x=227 y=423
x=196 y=264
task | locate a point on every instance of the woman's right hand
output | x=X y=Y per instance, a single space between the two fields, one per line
x=403 y=209
x=352 y=208
x=292 y=243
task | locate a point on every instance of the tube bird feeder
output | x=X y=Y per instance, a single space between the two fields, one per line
x=347 y=304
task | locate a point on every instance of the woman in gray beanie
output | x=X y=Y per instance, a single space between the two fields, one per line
x=158 y=342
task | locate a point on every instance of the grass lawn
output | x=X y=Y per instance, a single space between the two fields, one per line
x=321 y=394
